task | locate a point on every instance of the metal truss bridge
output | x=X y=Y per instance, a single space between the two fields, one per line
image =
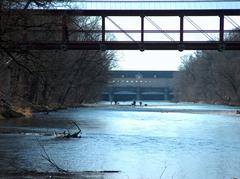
x=65 y=41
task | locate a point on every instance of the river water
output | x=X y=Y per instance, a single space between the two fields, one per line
x=160 y=140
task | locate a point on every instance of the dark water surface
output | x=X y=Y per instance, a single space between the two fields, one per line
x=161 y=140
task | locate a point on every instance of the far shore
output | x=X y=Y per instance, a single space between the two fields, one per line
x=121 y=106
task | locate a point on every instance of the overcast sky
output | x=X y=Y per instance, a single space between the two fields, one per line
x=149 y=60
x=160 y=59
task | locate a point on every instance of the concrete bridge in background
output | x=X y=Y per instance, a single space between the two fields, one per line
x=140 y=85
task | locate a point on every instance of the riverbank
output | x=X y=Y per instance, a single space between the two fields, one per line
x=10 y=112
x=27 y=112
x=60 y=175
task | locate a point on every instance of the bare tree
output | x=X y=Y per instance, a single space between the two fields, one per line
x=51 y=77
x=210 y=76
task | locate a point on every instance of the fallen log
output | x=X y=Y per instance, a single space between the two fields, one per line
x=68 y=134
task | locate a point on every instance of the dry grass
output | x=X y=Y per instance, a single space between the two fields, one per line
x=26 y=111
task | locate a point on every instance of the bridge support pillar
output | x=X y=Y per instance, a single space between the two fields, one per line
x=138 y=95
x=110 y=97
x=166 y=96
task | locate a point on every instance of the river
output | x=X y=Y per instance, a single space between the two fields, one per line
x=161 y=140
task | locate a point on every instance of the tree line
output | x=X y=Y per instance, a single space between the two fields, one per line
x=210 y=76
x=49 y=76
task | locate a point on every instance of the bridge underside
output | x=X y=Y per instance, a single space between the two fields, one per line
x=64 y=42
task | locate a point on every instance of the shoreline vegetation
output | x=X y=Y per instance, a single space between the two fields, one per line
x=36 y=80
x=210 y=76
x=8 y=112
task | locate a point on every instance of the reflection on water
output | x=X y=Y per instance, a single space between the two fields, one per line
x=183 y=140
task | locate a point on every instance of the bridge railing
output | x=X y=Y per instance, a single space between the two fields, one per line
x=154 y=4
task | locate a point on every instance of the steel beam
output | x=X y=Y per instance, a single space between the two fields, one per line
x=142 y=29
x=103 y=29
x=181 y=46
x=221 y=29
x=79 y=12
x=126 y=45
x=142 y=34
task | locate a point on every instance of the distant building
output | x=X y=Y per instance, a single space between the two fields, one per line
x=139 y=85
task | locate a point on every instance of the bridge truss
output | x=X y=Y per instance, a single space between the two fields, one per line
x=103 y=43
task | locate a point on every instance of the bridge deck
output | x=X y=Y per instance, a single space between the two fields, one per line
x=126 y=45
